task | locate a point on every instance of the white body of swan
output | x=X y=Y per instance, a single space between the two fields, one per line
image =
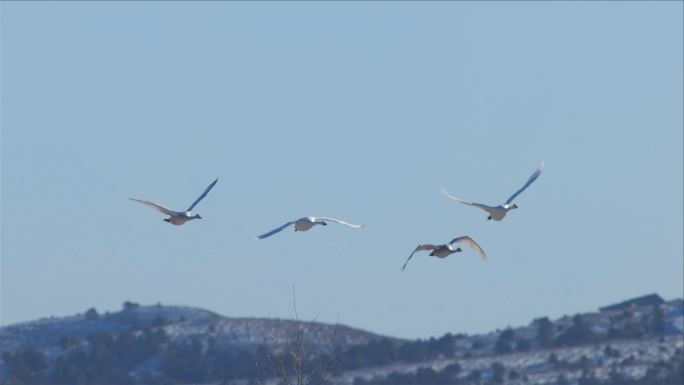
x=305 y=223
x=178 y=217
x=498 y=213
x=443 y=251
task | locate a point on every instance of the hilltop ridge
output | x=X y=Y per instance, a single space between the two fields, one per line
x=179 y=344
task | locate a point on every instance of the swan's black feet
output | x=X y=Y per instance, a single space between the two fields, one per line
x=489 y=218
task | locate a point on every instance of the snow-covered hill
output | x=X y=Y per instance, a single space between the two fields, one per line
x=640 y=340
x=179 y=322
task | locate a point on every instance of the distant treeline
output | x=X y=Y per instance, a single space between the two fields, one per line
x=148 y=353
x=662 y=373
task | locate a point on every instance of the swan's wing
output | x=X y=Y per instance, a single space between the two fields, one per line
x=155 y=206
x=470 y=242
x=276 y=230
x=534 y=177
x=426 y=246
x=340 y=222
x=203 y=195
x=488 y=209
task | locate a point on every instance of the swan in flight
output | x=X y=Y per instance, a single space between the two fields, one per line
x=178 y=217
x=443 y=251
x=498 y=213
x=305 y=223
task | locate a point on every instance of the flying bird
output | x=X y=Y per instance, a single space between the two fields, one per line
x=305 y=223
x=178 y=217
x=498 y=213
x=443 y=251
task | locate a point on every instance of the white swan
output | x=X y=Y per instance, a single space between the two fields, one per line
x=178 y=217
x=443 y=251
x=498 y=213
x=305 y=223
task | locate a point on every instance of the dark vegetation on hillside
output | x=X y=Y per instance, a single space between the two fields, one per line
x=664 y=373
x=146 y=354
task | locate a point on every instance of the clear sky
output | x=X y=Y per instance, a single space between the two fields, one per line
x=360 y=111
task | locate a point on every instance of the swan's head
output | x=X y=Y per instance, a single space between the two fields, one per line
x=324 y=224
x=514 y=206
x=197 y=216
x=458 y=250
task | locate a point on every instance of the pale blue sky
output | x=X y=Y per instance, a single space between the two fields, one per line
x=361 y=111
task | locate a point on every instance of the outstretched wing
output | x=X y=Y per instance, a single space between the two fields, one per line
x=339 y=221
x=488 y=209
x=426 y=246
x=155 y=206
x=534 y=177
x=276 y=230
x=203 y=195
x=470 y=242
